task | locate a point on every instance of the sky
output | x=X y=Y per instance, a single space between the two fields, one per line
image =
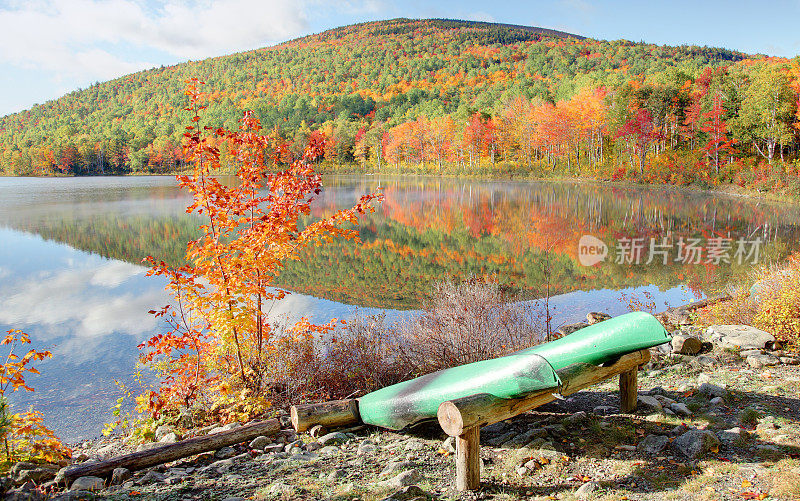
x=52 y=47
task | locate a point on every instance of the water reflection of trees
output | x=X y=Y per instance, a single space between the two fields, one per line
x=522 y=234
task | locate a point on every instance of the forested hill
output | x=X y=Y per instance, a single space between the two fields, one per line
x=347 y=81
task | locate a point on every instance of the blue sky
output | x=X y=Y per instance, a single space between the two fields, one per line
x=51 y=47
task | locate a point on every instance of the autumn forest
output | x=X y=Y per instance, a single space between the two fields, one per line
x=449 y=97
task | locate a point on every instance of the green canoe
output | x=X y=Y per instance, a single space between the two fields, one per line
x=513 y=376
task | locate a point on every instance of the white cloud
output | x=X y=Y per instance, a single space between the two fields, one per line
x=114 y=273
x=84 y=303
x=99 y=38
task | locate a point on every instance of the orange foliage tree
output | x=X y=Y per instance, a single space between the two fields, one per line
x=221 y=341
x=24 y=435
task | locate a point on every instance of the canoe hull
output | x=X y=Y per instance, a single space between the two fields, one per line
x=512 y=376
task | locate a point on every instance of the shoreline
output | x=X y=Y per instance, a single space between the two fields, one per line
x=728 y=190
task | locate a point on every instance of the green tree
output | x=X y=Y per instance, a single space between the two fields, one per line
x=767 y=110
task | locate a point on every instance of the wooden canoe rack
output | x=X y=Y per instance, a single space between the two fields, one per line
x=463 y=418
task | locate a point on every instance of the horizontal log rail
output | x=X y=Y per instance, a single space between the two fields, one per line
x=331 y=414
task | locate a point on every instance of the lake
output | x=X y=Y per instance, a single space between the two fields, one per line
x=71 y=252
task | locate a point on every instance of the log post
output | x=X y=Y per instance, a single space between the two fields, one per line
x=328 y=414
x=468 y=460
x=628 y=390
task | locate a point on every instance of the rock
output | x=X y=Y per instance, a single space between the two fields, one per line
x=313 y=446
x=747 y=353
x=449 y=445
x=686 y=345
x=648 y=404
x=395 y=467
x=295 y=444
x=87 y=484
x=790 y=360
x=280 y=489
x=147 y=446
x=495 y=429
x=414 y=445
x=694 y=444
x=547 y=454
x=501 y=438
x=169 y=438
x=163 y=430
x=404 y=479
x=120 y=475
x=596 y=317
x=604 y=410
x=587 y=490
x=739 y=337
x=706 y=361
x=259 y=443
x=731 y=435
x=759 y=361
x=335 y=438
x=272 y=448
x=329 y=449
x=566 y=330
x=652 y=444
x=717 y=400
x=366 y=447
x=28 y=495
x=106 y=451
x=151 y=477
x=408 y=493
x=523 y=438
x=575 y=418
x=225 y=453
x=336 y=474
x=712 y=390
x=680 y=409
x=36 y=475
x=317 y=431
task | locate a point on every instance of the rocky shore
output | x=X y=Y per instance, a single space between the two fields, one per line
x=718 y=418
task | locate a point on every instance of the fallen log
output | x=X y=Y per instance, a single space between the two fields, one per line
x=328 y=414
x=459 y=415
x=679 y=315
x=171 y=452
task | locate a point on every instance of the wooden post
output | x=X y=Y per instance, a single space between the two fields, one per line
x=628 y=390
x=328 y=414
x=468 y=460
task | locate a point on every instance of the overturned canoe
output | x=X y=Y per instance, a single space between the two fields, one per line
x=512 y=376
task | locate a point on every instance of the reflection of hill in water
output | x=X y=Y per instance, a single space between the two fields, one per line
x=430 y=229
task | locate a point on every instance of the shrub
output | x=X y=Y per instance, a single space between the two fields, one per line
x=774 y=306
x=24 y=435
x=778 y=310
x=221 y=350
x=466 y=322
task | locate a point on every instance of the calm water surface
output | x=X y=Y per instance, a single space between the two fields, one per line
x=71 y=248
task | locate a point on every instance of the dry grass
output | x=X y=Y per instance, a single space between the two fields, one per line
x=465 y=322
